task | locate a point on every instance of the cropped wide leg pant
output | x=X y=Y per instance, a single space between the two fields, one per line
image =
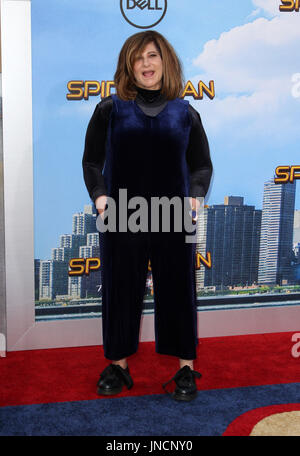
x=124 y=265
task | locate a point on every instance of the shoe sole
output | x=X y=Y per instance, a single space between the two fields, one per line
x=184 y=397
x=109 y=392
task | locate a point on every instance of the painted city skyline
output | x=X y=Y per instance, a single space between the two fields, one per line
x=248 y=246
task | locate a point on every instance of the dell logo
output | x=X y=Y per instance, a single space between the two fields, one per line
x=142 y=4
x=143 y=13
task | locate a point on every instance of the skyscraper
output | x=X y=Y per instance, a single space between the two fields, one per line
x=53 y=278
x=85 y=222
x=276 y=243
x=82 y=243
x=230 y=232
x=297 y=227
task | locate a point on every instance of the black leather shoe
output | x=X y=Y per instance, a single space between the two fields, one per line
x=112 y=379
x=186 y=388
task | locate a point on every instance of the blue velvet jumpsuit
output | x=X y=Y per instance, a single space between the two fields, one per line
x=147 y=156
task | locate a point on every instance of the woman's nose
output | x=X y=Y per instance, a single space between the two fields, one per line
x=146 y=62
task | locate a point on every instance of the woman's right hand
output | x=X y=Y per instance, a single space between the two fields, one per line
x=100 y=204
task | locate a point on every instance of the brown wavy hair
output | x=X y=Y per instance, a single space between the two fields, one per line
x=172 y=79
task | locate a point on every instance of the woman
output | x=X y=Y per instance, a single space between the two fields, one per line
x=152 y=143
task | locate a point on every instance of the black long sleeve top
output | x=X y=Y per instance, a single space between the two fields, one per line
x=151 y=102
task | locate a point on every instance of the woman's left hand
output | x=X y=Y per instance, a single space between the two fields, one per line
x=195 y=205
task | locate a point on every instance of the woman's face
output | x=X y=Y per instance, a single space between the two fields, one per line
x=147 y=68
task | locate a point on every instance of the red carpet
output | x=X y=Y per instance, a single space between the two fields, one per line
x=71 y=374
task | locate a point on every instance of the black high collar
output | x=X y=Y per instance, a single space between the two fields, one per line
x=148 y=95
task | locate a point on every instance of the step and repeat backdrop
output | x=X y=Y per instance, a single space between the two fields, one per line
x=242 y=74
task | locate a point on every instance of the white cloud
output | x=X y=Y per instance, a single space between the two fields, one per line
x=252 y=66
x=247 y=55
x=269 y=6
x=254 y=13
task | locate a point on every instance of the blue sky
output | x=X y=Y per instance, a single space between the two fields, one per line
x=248 y=48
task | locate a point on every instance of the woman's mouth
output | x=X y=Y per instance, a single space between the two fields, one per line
x=148 y=74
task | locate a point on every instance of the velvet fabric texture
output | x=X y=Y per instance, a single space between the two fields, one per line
x=147 y=156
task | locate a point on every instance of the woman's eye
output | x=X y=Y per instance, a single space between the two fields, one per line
x=139 y=58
